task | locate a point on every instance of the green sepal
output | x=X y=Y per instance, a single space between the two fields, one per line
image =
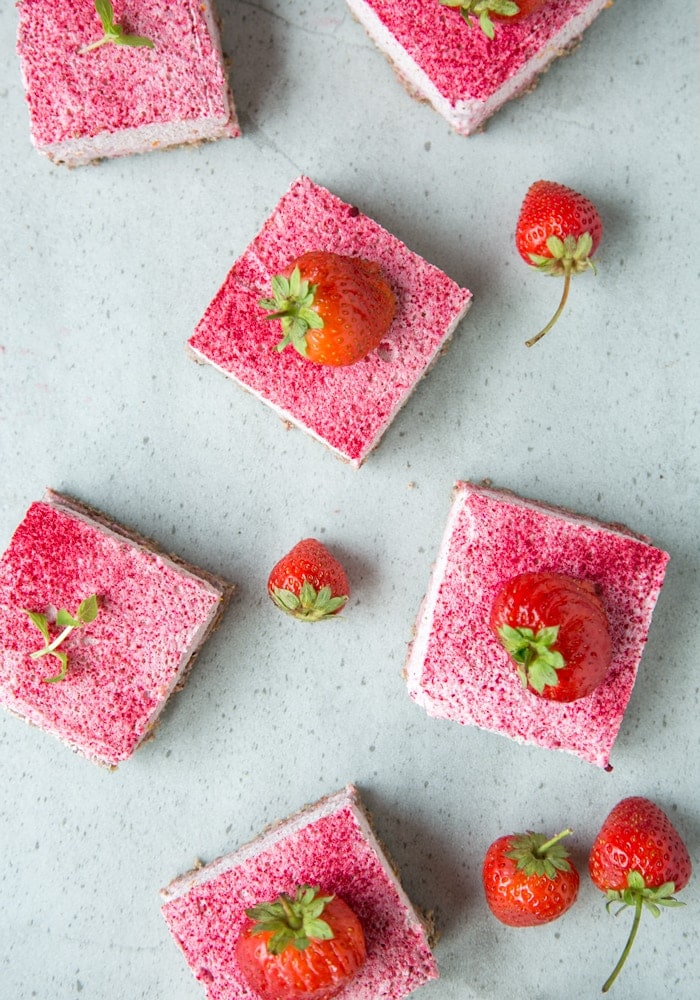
x=309 y=605
x=483 y=9
x=537 y=855
x=536 y=662
x=570 y=255
x=651 y=897
x=295 y=922
x=292 y=305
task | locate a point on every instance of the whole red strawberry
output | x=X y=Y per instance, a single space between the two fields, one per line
x=558 y=231
x=500 y=10
x=638 y=859
x=528 y=879
x=555 y=630
x=301 y=947
x=334 y=309
x=309 y=583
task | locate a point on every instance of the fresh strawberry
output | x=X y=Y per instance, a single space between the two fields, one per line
x=301 y=947
x=500 y=10
x=309 y=583
x=528 y=879
x=638 y=859
x=555 y=630
x=334 y=309
x=558 y=231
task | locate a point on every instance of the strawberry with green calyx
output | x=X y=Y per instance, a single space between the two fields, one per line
x=334 y=309
x=501 y=10
x=305 y=946
x=556 y=633
x=558 y=231
x=309 y=583
x=528 y=879
x=638 y=859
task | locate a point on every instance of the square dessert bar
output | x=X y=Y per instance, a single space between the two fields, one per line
x=329 y=844
x=116 y=99
x=347 y=408
x=457 y=669
x=155 y=612
x=465 y=75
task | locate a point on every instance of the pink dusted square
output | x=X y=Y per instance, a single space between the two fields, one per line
x=329 y=844
x=89 y=103
x=465 y=75
x=457 y=669
x=154 y=614
x=346 y=408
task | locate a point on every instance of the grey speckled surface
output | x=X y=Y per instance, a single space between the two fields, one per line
x=105 y=272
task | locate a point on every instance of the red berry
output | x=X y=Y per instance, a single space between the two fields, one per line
x=638 y=859
x=309 y=583
x=558 y=231
x=528 y=879
x=555 y=630
x=334 y=310
x=301 y=947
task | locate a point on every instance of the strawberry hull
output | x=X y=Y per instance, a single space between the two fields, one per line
x=346 y=408
x=456 y=667
x=154 y=614
x=329 y=844
x=462 y=73
x=115 y=99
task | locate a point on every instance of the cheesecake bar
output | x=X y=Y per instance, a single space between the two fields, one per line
x=154 y=613
x=331 y=845
x=462 y=73
x=347 y=408
x=86 y=102
x=457 y=669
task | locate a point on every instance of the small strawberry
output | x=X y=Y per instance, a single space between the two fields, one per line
x=500 y=10
x=638 y=859
x=309 y=583
x=301 y=947
x=558 y=231
x=528 y=879
x=555 y=630
x=334 y=310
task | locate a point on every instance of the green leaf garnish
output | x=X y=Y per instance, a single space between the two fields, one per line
x=114 y=33
x=86 y=613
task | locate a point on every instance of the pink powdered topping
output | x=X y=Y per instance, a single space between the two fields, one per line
x=464 y=64
x=350 y=407
x=122 y=667
x=331 y=851
x=114 y=87
x=456 y=667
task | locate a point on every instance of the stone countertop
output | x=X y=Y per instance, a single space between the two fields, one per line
x=106 y=271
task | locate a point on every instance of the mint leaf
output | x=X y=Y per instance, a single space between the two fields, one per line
x=113 y=33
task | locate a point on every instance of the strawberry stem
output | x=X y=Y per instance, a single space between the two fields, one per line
x=557 y=314
x=638 y=904
x=555 y=840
